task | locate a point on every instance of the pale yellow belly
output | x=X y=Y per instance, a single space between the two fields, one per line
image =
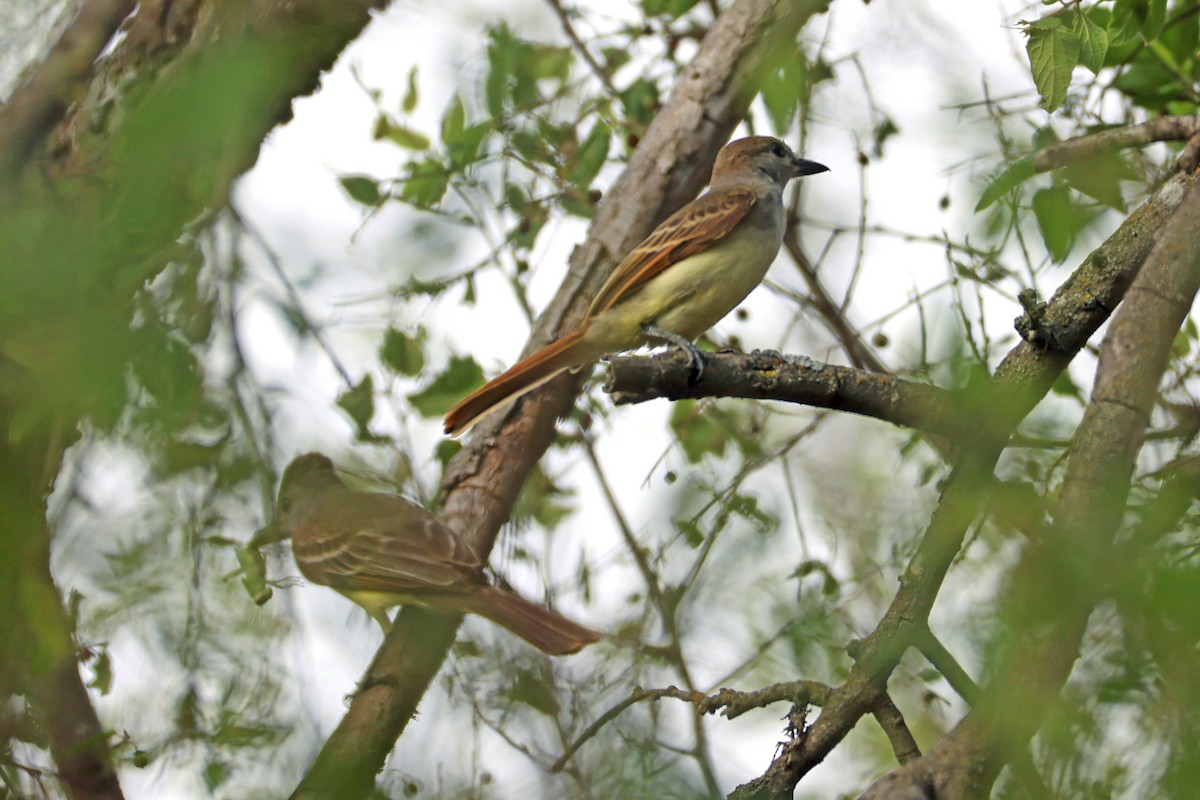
x=691 y=296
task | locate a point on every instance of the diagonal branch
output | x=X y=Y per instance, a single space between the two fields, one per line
x=1024 y=376
x=1056 y=585
x=36 y=107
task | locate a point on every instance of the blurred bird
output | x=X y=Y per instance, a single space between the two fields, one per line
x=695 y=268
x=381 y=551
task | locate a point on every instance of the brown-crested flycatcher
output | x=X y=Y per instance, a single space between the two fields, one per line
x=381 y=551
x=685 y=276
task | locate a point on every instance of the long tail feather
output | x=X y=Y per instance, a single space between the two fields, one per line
x=571 y=350
x=549 y=632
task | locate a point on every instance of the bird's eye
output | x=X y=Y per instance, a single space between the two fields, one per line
x=285 y=503
x=777 y=150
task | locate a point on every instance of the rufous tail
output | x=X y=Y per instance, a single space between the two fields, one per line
x=549 y=632
x=571 y=350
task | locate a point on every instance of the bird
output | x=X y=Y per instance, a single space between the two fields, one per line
x=381 y=550
x=691 y=271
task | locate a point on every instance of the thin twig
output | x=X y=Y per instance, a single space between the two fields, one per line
x=584 y=53
x=892 y=721
x=857 y=351
x=944 y=662
x=733 y=702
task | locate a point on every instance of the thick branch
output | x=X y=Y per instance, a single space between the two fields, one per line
x=767 y=375
x=35 y=108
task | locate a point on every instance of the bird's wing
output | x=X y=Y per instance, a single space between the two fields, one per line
x=403 y=548
x=684 y=233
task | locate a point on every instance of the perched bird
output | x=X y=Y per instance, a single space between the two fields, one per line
x=381 y=551
x=685 y=276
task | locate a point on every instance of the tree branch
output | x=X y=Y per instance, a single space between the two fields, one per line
x=904 y=746
x=733 y=702
x=767 y=375
x=37 y=106
x=1056 y=584
x=1077 y=309
x=1159 y=129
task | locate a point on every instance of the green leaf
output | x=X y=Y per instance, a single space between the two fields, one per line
x=533 y=691
x=1149 y=83
x=1012 y=177
x=102 y=673
x=1134 y=18
x=461 y=375
x=1093 y=41
x=530 y=145
x=543 y=501
x=1053 y=54
x=427 y=183
x=1064 y=386
x=552 y=62
x=386 y=128
x=454 y=120
x=781 y=93
x=746 y=506
x=578 y=205
x=1058 y=220
x=640 y=100
x=403 y=354
x=1100 y=177
x=410 y=95
x=533 y=218
x=1045 y=24
x=614 y=58
x=462 y=142
x=696 y=432
x=691 y=532
x=1154 y=19
x=668 y=8
x=591 y=156
x=501 y=58
x=216 y=772
x=446 y=449
x=362 y=189
x=359 y=404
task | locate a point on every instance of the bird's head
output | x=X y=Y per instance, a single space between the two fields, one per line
x=303 y=482
x=764 y=154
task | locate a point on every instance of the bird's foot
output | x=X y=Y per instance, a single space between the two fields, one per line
x=695 y=355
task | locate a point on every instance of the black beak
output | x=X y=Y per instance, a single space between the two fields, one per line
x=801 y=166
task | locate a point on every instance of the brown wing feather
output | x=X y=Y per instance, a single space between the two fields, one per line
x=680 y=235
x=403 y=549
